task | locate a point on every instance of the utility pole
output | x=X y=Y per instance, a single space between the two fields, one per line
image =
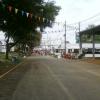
x=93 y=50
x=80 y=40
x=65 y=36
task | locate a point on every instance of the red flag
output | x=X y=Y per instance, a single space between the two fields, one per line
x=10 y=8
x=30 y=15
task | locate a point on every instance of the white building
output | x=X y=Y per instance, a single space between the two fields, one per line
x=3 y=46
x=0 y=46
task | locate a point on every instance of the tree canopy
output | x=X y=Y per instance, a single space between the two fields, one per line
x=26 y=15
x=20 y=18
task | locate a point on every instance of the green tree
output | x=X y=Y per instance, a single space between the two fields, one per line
x=17 y=26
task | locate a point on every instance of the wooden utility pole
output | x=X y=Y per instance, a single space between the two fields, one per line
x=80 y=40
x=93 y=50
x=65 y=36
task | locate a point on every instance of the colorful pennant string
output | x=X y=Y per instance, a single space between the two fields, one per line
x=10 y=8
x=39 y=18
x=22 y=13
x=29 y=15
x=16 y=10
x=43 y=19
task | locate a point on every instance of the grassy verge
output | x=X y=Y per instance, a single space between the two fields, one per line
x=6 y=65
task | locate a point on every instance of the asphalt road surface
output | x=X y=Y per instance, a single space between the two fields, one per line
x=47 y=78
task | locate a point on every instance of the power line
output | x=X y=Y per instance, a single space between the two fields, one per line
x=96 y=15
x=90 y=17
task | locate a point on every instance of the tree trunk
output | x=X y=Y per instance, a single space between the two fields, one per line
x=7 y=48
x=7 y=52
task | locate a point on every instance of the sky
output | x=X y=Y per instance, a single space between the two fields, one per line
x=76 y=10
x=73 y=11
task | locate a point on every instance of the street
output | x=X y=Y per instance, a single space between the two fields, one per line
x=48 y=78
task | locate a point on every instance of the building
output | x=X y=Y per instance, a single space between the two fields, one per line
x=91 y=36
x=3 y=46
x=88 y=43
x=0 y=46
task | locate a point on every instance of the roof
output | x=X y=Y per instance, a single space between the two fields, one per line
x=95 y=30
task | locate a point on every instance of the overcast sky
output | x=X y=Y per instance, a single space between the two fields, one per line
x=74 y=11
x=77 y=10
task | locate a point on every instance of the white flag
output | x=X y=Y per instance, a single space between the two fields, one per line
x=16 y=10
x=43 y=19
x=27 y=14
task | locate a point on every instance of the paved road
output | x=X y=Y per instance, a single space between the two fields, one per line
x=46 y=78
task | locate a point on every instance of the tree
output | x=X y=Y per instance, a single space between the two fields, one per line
x=20 y=18
x=29 y=42
x=91 y=26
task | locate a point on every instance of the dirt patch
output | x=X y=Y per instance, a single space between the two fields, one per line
x=94 y=61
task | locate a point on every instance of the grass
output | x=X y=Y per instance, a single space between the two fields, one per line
x=6 y=65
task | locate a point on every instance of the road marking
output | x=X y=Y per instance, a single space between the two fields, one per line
x=1 y=76
x=65 y=89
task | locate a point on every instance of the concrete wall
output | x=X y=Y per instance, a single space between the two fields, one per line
x=91 y=55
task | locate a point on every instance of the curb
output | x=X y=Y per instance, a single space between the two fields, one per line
x=1 y=76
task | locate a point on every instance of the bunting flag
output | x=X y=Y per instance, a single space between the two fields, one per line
x=39 y=18
x=16 y=10
x=22 y=13
x=56 y=31
x=27 y=14
x=31 y=15
x=43 y=19
x=10 y=8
